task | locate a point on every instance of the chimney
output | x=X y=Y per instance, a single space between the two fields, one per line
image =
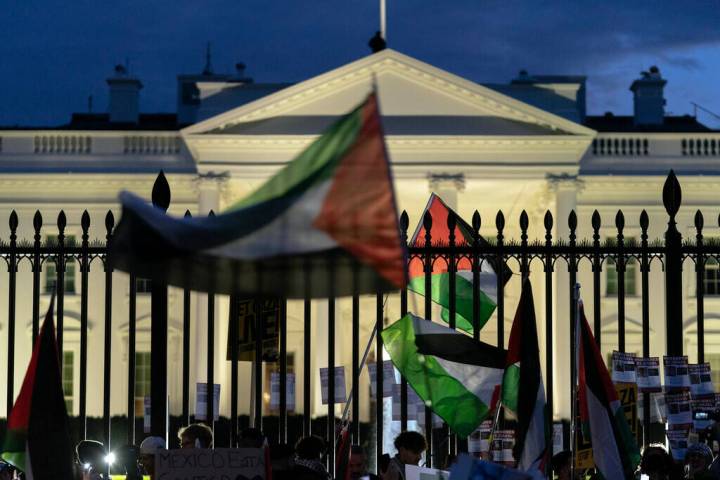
x=648 y=99
x=124 y=104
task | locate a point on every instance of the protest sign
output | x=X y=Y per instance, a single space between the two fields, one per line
x=479 y=440
x=268 y=310
x=220 y=463
x=275 y=391
x=340 y=395
x=201 y=398
x=388 y=378
x=584 y=452
x=146 y=415
x=623 y=367
x=413 y=472
x=647 y=374
x=700 y=379
x=678 y=440
x=703 y=408
x=558 y=440
x=676 y=373
x=628 y=396
x=677 y=409
x=501 y=448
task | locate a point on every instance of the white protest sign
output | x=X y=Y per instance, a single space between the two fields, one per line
x=146 y=415
x=388 y=378
x=413 y=472
x=201 y=399
x=220 y=464
x=677 y=409
x=340 y=395
x=676 y=372
x=700 y=379
x=623 y=367
x=678 y=440
x=289 y=391
x=501 y=448
x=558 y=440
x=648 y=374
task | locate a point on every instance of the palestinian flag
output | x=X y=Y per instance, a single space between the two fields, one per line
x=615 y=452
x=456 y=376
x=331 y=208
x=343 y=451
x=523 y=392
x=38 y=439
x=440 y=293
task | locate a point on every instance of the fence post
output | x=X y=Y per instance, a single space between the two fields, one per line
x=158 y=331
x=673 y=267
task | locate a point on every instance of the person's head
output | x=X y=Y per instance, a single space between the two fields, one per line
x=197 y=435
x=698 y=458
x=148 y=449
x=310 y=448
x=656 y=462
x=6 y=471
x=384 y=463
x=358 y=462
x=561 y=464
x=251 y=438
x=90 y=456
x=410 y=446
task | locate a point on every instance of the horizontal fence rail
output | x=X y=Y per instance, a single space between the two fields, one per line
x=51 y=250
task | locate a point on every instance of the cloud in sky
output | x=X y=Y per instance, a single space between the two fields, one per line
x=55 y=54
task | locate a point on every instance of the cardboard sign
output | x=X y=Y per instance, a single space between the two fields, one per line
x=700 y=379
x=219 y=463
x=676 y=373
x=628 y=396
x=275 y=391
x=201 y=400
x=413 y=472
x=623 y=367
x=340 y=395
x=647 y=374
x=502 y=446
x=677 y=410
x=146 y=415
x=678 y=440
x=248 y=310
x=703 y=407
x=388 y=378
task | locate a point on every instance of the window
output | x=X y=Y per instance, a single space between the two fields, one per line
x=143 y=285
x=611 y=274
x=711 y=277
x=51 y=268
x=714 y=360
x=142 y=381
x=68 y=368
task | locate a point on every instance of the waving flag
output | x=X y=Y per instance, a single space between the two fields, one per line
x=523 y=392
x=615 y=452
x=440 y=289
x=455 y=375
x=332 y=209
x=38 y=439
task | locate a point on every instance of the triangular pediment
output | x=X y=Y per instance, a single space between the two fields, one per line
x=415 y=98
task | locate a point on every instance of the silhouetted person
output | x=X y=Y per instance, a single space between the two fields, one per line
x=308 y=462
x=656 y=462
x=377 y=43
x=197 y=435
x=410 y=447
x=148 y=449
x=358 y=464
x=561 y=464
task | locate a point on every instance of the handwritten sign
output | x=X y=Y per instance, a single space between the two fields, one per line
x=628 y=396
x=248 y=311
x=218 y=464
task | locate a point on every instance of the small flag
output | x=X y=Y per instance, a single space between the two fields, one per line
x=453 y=374
x=331 y=209
x=440 y=293
x=615 y=452
x=38 y=439
x=523 y=392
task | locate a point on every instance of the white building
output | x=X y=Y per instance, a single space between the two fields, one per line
x=526 y=145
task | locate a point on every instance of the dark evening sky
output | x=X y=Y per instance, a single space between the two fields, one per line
x=54 y=54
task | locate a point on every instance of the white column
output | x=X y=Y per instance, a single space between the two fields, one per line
x=447 y=186
x=565 y=189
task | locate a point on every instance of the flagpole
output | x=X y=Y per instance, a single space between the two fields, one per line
x=383 y=21
x=575 y=380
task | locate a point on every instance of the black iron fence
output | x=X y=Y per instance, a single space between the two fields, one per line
x=546 y=255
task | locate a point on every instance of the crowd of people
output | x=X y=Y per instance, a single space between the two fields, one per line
x=306 y=460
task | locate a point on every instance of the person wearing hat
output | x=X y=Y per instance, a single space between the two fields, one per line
x=697 y=462
x=148 y=449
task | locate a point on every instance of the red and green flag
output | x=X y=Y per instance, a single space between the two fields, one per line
x=332 y=209
x=440 y=279
x=38 y=439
